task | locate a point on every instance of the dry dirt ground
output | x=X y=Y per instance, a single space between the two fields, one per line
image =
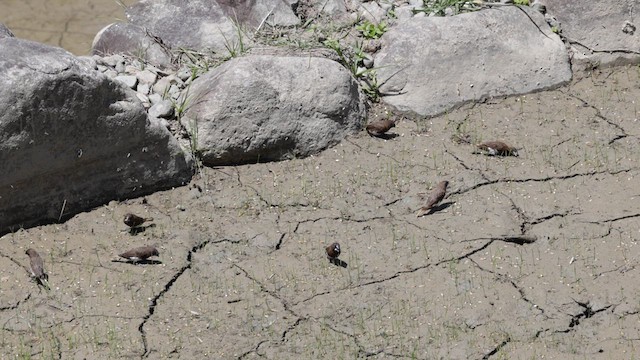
x=243 y=273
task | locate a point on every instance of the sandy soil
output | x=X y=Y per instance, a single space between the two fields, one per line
x=243 y=273
x=71 y=25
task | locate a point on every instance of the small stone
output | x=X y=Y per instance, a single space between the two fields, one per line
x=180 y=207
x=102 y=68
x=89 y=61
x=174 y=92
x=147 y=77
x=539 y=7
x=386 y=6
x=372 y=46
x=163 y=109
x=128 y=80
x=137 y=64
x=143 y=88
x=142 y=97
x=120 y=67
x=184 y=73
x=404 y=12
x=367 y=61
x=112 y=60
x=163 y=85
x=155 y=98
x=111 y=73
x=163 y=122
x=628 y=28
x=131 y=70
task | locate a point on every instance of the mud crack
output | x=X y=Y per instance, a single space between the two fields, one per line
x=15 y=306
x=587 y=312
x=602 y=117
x=285 y=305
x=496 y=349
x=167 y=287
x=544 y=179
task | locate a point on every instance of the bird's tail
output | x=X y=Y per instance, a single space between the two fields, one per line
x=45 y=283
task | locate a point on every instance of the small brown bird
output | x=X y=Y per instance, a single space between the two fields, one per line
x=37 y=267
x=140 y=254
x=498 y=148
x=434 y=198
x=380 y=127
x=333 y=251
x=134 y=220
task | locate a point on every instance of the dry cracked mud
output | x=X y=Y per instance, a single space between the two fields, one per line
x=533 y=256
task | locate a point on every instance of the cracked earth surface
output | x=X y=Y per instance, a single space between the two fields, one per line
x=528 y=257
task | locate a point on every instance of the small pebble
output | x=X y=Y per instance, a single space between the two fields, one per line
x=147 y=77
x=155 y=98
x=143 y=88
x=163 y=109
x=184 y=74
x=128 y=80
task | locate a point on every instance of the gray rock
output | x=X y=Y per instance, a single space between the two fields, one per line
x=131 y=40
x=539 y=7
x=91 y=62
x=184 y=73
x=121 y=67
x=163 y=109
x=367 y=61
x=73 y=138
x=113 y=60
x=596 y=31
x=155 y=98
x=310 y=9
x=264 y=108
x=163 y=85
x=208 y=24
x=433 y=64
x=132 y=69
x=147 y=77
x=143 y=89
x=404 y=12
x=5 y=32
x=144 y=99
x=372 y=12
x=111 y=73
x=129 y=80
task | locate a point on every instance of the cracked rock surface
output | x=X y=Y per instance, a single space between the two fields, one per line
x=528 y=257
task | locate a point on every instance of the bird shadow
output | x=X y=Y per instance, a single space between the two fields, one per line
x=385 y=136
x=138 y=262
x=338 y=262
x=497 y=154
x=439 y=207
x=140 y=229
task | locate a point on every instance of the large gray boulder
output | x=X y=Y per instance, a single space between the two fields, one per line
x=132 y=40
x=222 y=26
x=601 y=33
x=208 y=24
x=71 y=138
x=428 y=65
x=264 y=108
